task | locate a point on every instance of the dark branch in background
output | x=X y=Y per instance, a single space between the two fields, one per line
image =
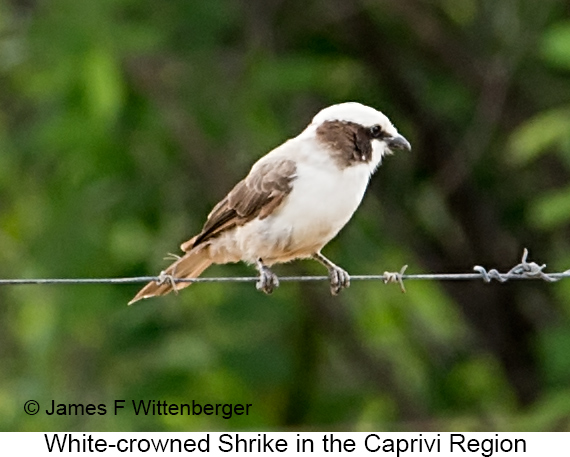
x=336 y=322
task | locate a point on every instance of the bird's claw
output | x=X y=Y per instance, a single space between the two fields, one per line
x=267 y=280
x=340 y=279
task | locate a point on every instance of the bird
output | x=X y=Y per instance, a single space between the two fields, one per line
x=294 y=200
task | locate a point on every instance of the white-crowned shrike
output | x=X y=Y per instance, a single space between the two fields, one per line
x=294 y=200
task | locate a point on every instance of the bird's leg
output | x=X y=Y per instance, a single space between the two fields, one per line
x=340 y=279
x=267 y=279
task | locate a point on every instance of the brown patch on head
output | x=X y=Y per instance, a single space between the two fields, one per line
x=349 y=142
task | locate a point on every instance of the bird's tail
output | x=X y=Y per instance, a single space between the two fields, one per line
x=190 y=265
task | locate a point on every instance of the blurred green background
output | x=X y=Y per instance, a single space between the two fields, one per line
x=122 y=122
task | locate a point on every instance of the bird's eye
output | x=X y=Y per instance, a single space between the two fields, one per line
x=376 y=131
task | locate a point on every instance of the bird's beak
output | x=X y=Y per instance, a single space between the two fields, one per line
x=398 y=142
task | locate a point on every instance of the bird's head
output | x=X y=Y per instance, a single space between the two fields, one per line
x=357 y=134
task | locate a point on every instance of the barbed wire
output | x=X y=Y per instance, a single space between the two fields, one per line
x=523 y=270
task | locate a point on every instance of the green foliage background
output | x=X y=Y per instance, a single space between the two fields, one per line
x=122 y=122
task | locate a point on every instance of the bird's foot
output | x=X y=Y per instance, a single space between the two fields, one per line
x=267 y=279
x=340 y=279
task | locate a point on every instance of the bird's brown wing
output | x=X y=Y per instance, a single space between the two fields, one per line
x=257 y=195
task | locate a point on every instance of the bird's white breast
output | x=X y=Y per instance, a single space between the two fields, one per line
x=322 y=201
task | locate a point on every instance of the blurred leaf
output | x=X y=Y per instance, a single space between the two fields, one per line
x=103 y=84
x=479 y=381
x=461 y=11
x=551 y=210
x=556 y=45
x=554 y=347
x=550 y=413
x=544 y=131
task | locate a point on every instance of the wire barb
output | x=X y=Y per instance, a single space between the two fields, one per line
x=164 y=277
x=527 y=270
x=398 y=277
